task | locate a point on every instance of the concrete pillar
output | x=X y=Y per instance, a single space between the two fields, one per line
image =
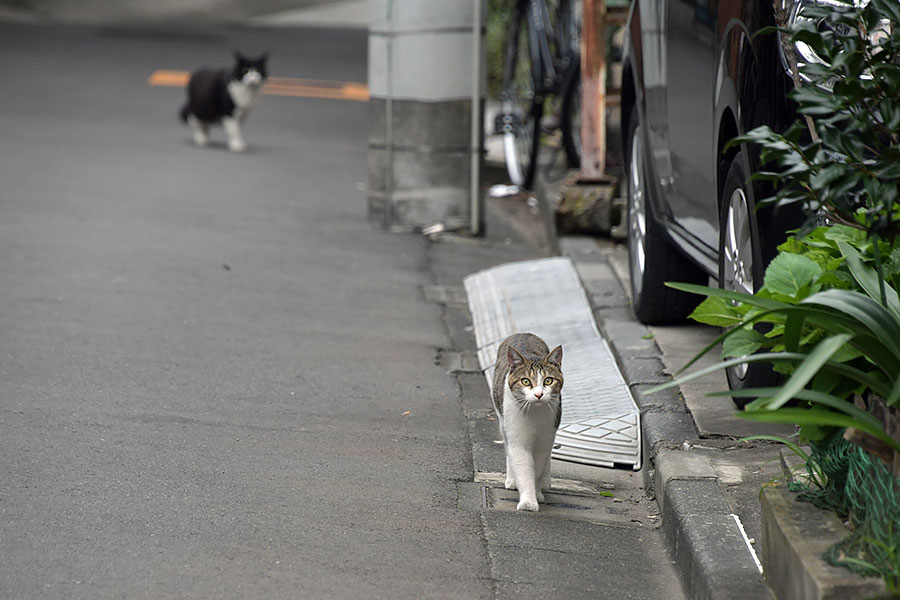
x=422 y=69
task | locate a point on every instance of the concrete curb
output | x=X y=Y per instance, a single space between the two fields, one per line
x=702 y=534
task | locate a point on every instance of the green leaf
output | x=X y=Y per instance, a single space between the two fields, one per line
x=776 y=358
x=793 y=327
x=789 y=274
x=717 y=312
x=743 y=342
x=866 y=312
x=810 y=366
x=813 y=432
x=750 y=299
x=820 y=417
x=829 y=400
x=793 y=446
x=828 y=175
x=868 y=279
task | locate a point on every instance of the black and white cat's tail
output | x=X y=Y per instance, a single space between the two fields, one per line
x=184 y=113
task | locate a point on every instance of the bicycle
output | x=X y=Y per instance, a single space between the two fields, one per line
x=542 y=59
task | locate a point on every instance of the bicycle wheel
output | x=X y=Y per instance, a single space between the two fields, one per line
x=521 y=106
x=569 y=48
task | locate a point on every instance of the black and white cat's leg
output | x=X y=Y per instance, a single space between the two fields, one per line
x=201 y=130
x=233 y=133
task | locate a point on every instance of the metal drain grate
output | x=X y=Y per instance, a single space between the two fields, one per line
x=600 y=421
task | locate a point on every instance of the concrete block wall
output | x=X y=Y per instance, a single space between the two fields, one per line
x=421 y=57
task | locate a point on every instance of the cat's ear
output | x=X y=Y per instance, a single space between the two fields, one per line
x=515 y=359
x=238 y=56
x=555 y=356
x=263 y=58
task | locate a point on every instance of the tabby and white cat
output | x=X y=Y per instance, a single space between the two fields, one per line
x=223 y=96
x=528 y=401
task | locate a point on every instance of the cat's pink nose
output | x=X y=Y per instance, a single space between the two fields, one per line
x=539 y=395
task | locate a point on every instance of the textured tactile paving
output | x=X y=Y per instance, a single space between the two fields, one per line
x=600 y=420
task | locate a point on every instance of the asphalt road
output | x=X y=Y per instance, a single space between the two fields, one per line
x=216 y=379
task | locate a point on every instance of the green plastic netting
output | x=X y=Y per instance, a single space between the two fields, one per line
x=860 y=487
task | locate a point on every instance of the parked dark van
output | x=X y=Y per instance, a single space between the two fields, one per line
x=695 y=76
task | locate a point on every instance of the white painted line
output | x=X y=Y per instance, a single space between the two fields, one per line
x=740 y=525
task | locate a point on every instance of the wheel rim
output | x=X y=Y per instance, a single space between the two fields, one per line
x=637 y=217
x=518 y=99
x=737 y=253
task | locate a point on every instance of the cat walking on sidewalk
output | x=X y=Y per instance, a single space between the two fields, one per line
x=527 y=397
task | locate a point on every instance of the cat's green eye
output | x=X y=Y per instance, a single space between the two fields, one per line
x=526 y=382
x=548 y=381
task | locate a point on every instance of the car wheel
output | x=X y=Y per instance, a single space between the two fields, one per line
x=652 y=260
x=741 y=265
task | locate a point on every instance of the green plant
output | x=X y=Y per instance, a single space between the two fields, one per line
x=833 y=342
x=830 y=296
x=842 y=160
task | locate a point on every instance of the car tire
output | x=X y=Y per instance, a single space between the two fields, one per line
x=742 y=265
x=651 y=258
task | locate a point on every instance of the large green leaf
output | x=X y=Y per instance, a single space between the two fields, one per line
x=793 y=446
x=808 y=369
x=744 y=341
x=868 y=279
x=793 y=328
x=868 y=313
x=848 y=371
x=789 y=275
x=839 y=404
x=705 y=290
x=813 y=416
x=717 y=312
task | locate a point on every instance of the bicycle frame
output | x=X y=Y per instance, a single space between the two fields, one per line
x=540 y=32
x=540 y=35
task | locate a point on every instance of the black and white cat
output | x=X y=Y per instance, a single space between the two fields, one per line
x=223 y=96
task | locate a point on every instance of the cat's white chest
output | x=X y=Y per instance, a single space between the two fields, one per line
x=243 y=95
x=532 y=428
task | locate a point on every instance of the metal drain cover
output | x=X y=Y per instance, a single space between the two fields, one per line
x=600 y=421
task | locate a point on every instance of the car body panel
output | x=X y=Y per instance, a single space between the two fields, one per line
x=697 y=78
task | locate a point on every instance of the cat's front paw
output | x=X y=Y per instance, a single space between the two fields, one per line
x=237 y=145
x=530 y=505
x=540 y=496
x=510 y=483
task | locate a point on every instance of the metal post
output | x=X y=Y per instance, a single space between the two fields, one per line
x=475 y=209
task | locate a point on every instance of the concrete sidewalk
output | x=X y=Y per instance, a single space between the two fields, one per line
x=598 y=530
x=706 y=479
x=705 y=482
